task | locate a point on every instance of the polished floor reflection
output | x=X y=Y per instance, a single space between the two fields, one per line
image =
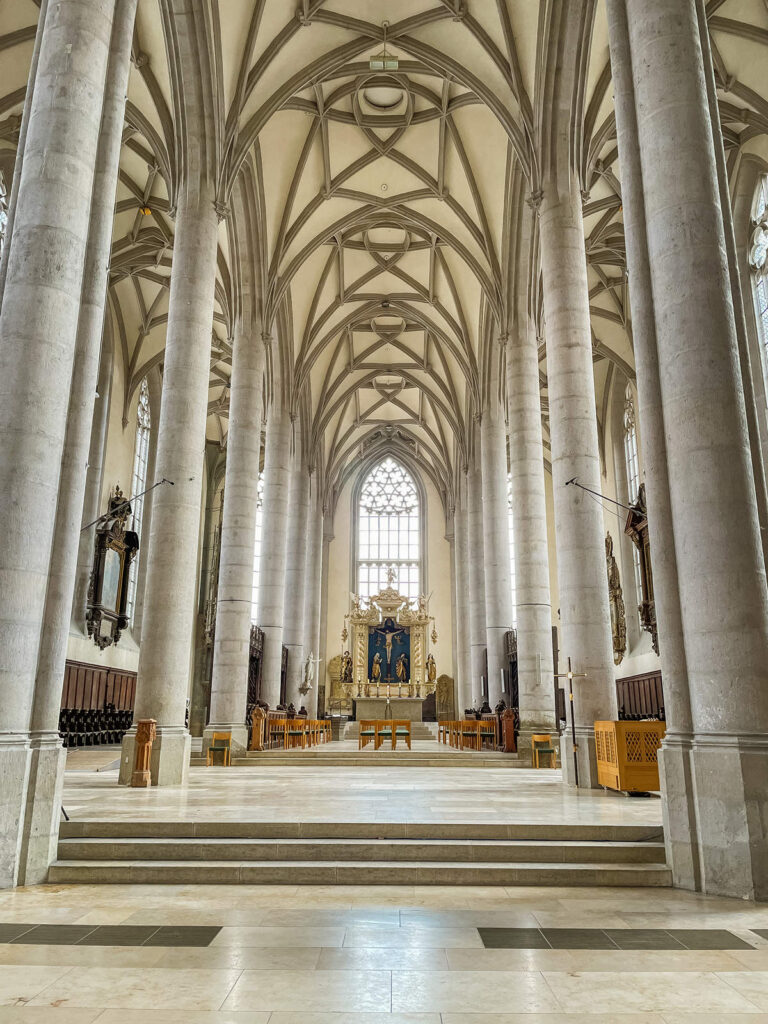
x=381 y=955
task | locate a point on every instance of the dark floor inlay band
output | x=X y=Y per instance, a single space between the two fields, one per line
x=107 y=935
x=612 y=938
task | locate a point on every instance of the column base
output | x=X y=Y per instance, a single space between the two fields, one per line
x=586 y=756
x=728 y=775
x=15 y=756
x=678 y=810
x=40 y=831
x=169 y=763
x=240 y=737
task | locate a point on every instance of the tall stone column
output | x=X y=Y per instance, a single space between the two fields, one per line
x=48 y=755
x=476 y=575
x=277 y=485
x=170 y=591
x=498 y=583
x=13 y=195
x=38 y=330
x=461 y=582
x=680 y=829
x=295 y=569
x=93 y=481
x=721 y=572
x=231 y=648
x=313 y=592
x=584 y=609
x=529 y=519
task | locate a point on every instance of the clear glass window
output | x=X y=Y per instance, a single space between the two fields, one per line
x=138 y=484
x=512 y=576
x=389 y=531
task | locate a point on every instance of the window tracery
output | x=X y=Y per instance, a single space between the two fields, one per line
x=138 y=484
x=389 y=531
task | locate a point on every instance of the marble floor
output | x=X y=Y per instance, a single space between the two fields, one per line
x=376 y=955
x=354 y=794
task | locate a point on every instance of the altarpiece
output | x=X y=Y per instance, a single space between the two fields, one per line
x=389 y=644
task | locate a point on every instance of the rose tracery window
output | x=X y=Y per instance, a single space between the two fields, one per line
x=389 y=531
x=138 y=484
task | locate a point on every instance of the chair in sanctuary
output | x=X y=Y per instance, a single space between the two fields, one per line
x=220 y=750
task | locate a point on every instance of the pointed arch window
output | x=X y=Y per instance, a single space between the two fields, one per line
x=389 y=531
x=138 y=484
x=758 y=259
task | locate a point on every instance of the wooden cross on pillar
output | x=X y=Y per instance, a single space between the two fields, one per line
x=570 y=675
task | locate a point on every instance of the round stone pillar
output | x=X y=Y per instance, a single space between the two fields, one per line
x=536 y=694
x=721 y=572
x=172 y=555
x=295 y=576
x=476 y=574
x=313 y=593
x=231 y=649
x=38 y=330
x=498 y=583
x=584 y=609
x=48 y=756
x=274 y=531
x=680 y=830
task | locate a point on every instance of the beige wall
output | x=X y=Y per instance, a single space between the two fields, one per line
x=438 y=570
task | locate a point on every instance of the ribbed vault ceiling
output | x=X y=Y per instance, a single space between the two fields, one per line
x=374 y=212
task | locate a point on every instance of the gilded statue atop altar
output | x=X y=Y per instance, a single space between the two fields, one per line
x=389 y=640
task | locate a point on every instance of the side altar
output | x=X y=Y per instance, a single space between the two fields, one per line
x=388 y=671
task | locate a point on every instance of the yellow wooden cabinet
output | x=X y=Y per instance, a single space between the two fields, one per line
x=627 y=755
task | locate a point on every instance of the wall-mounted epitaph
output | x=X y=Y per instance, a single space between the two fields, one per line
x=114 y=550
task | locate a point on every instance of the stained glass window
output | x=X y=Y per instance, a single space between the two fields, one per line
x=389 y=531
x=138 y=484
x=758 y=258
x=3 y=211
x=257 y=549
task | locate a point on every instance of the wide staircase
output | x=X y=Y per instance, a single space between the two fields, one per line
x=322 y=853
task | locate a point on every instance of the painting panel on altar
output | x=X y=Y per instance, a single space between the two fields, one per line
x=389 y=644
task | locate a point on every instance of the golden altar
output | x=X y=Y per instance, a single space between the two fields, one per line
x=387 y=614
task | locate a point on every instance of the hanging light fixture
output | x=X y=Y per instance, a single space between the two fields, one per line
x=384 y=61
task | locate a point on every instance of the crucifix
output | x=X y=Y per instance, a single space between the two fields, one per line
x=570 y=675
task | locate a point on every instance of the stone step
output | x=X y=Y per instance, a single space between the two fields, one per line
x=345 y=873
x=541 y=833
x=358 y=850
